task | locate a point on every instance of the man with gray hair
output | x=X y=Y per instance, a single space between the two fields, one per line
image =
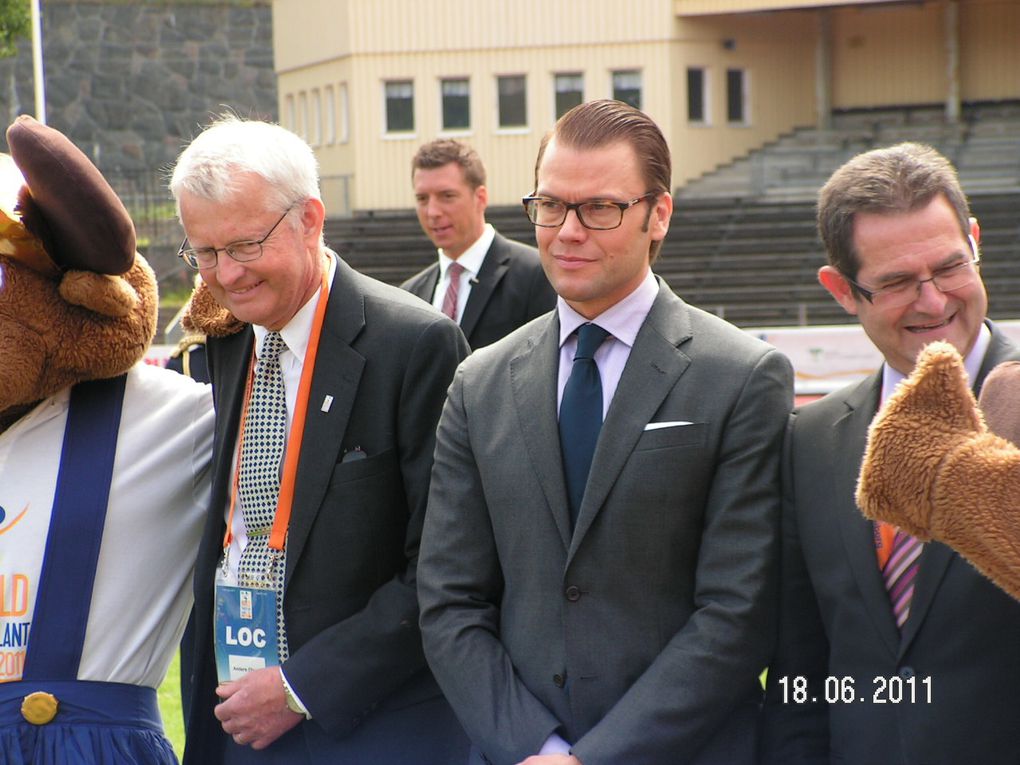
x=327 y=387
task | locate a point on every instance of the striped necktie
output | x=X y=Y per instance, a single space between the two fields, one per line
x=455 y=269
x=899 y=574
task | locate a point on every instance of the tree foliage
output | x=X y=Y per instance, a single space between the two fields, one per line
x=15 y=23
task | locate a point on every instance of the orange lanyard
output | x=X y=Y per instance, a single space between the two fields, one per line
x=285 y=499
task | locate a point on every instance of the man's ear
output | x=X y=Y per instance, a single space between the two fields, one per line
x=313 y=218
x=662 y=214
x=839 y=288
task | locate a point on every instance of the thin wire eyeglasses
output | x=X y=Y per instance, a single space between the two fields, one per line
x=906 y=291
x=243 y=252
x=597 y=215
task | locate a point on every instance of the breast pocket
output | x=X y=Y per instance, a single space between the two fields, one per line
x=673 y=436
x=365 y=467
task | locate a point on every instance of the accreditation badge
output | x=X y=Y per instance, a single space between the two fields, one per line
x=245 y=630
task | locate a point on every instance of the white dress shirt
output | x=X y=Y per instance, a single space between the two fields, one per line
x=471 y=260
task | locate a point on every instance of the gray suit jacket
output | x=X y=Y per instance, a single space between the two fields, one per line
x=836 y=622
x=510 y=291
x=638 y=637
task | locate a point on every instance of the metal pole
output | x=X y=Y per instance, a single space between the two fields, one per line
x=37 y=63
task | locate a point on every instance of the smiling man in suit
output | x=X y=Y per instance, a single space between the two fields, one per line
x=327 y=387
x=603 y=593
x=889 y=651
x=488 y=284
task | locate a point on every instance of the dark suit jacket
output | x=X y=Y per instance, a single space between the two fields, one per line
x=836 y=622
x=639 y=637
x=511 y=291
x=349 y=600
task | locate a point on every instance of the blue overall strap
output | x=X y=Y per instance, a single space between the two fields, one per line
x=76 y=530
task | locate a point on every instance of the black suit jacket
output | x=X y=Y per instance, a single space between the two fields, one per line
x=349 y=601
x=836 y=622
x=511 y=290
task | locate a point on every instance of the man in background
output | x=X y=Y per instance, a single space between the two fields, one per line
x=889 y=651
x=488 y=284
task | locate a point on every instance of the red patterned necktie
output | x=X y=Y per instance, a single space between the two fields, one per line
x=899 y=574
x=450 y=300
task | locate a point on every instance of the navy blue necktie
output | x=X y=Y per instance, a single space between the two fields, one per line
x=581 y=414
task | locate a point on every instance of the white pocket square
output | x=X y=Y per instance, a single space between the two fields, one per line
x=673 y=424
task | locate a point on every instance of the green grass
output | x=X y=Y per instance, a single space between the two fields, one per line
x=170 y=705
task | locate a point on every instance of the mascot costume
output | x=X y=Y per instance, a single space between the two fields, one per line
x=943 y=467
x=103 y=470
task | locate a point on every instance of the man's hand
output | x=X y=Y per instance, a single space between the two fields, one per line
x=254 y=709
x=551 y=759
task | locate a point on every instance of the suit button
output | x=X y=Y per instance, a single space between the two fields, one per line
x=559 y=681
x=573 y=593
x=906 y=672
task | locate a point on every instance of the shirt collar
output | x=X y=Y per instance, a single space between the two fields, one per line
x=296 y=332
x=891 y=377
x=621 y=320
x=471 y=259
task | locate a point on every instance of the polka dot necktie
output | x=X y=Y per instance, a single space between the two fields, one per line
x=265 y=434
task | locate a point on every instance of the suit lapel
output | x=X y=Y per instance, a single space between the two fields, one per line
x=494 y=267
x=424 y=285
x=858 y=532
x=338 y=370
x=652 y=370
x=233 y=359
x=533 y=382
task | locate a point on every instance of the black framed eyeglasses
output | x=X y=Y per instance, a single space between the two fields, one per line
x=243 y=252
x=906 y=291
x=596 y=214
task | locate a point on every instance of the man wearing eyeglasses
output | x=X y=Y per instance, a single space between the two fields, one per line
x=889 y=651
x=596 y=574
x=327 y=387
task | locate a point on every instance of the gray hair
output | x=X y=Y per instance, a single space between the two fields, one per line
x=211 y=166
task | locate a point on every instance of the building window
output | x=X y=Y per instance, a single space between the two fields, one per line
x=302 y=115
x=315 y=122
x=289 y=115
x=400 y=106
x=627 y=87
x=696 y=95
x=329 y=113
x=513 y=107
x=569 y=92
x=345 y=125
x=456 y=104
x=736 y=96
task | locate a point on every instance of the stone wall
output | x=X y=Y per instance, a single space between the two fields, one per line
x=132 y=82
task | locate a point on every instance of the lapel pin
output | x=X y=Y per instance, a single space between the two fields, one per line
x=327 y=403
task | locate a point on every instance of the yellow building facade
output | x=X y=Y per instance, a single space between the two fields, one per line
x=367 y=81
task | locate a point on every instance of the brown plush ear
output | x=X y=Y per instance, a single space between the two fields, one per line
x=203 y=314
x=71 y=208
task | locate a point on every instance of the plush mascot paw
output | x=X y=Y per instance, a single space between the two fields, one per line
x=1000 y=396
x=933 y=467
x=930 y=414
